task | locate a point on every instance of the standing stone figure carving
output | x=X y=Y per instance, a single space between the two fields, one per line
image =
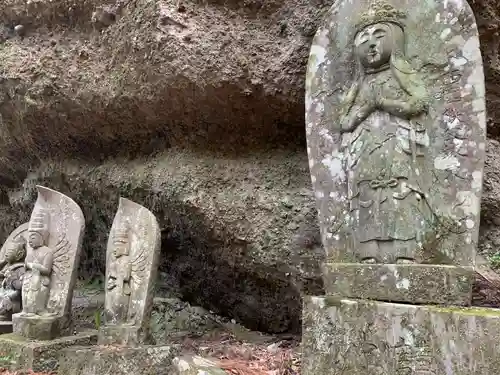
x=120 y=274
x=385 y=112
x=54 y=236
x=39 y=262
x=11 y=275
x=395 y=161
x=131 y=268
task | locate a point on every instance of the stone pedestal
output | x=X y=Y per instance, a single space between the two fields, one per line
x=39 y=327
x=18 y=352
x=411 y=283
x=376 y=338
x=117 y=360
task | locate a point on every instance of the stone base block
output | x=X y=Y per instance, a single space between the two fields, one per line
x=19 y=353
x=125 y=335
x=411 y=283
x=374 y=338
x=39 y=327
x=118 y=360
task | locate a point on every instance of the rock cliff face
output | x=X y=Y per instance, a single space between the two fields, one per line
x=194 y=109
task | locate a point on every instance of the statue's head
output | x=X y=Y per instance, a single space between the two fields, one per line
x=38 y=229
x=121 y=240
x=380 y=34
x=16 y=250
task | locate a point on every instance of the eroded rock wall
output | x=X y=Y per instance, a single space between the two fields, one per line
x=194 y=109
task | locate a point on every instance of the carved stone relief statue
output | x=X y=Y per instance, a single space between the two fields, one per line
x=385 y=112
x=39 y=261
x=119 y=279
x=12 y=270
x=387 y=105
x=54 y=238
x=131 y=268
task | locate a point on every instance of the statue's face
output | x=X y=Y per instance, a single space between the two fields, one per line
x=14 y=252
x=120 y=248
x=35 y=239
x=373 y=45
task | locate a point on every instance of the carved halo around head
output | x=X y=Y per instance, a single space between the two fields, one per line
x=380 y=11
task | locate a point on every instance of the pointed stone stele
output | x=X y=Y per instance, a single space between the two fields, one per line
x=124 y=344
x=396 y=133
x=53 y=244
x=396 y=140
x=131 y=269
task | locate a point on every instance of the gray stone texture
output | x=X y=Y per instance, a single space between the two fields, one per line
x=131 y=268
x=229 y=182
x=121 y=334
x=375 y=338
x=418 y=284
x=396 y=141
x=55 y=233
x=196 y=365
x=41 y=327
x=19 y=353
x=115 y=360
x=12 y=256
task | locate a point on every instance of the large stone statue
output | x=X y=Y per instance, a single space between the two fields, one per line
x=131 y=268
x=396 y=132
x=54 y=242
x=396 y=137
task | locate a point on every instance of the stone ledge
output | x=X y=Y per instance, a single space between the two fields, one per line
x=410 y=283
x=22 y=353
x=40 y=327
x=118 y=360
x=372 y=338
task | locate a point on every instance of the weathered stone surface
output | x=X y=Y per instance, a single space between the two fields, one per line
x=267 y=236
x=418 y=284
x=180 y=319
x=114 y=360
x=131 y=268
x=121 y=334
x=396 y=140
x=55 y=234
x=41 y=327
x=239 y=230
x=376 y=338
x=196 y=365
x=12 y=256
x=22 y=353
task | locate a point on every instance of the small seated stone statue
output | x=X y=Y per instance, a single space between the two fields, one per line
x=11 y=275
x=38 y=263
